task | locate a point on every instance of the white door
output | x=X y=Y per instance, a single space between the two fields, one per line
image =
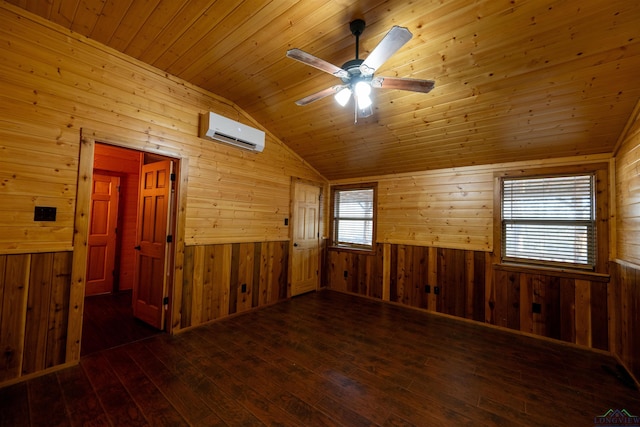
x=306 y=238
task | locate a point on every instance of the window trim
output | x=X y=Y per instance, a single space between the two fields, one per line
x=601 y=207
x=353 y=247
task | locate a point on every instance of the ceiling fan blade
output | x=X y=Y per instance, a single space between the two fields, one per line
x=414 y=85
x=394 y=40
x=314 y=61
x=319 y=95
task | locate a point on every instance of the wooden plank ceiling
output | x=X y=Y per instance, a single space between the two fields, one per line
x=515 y=80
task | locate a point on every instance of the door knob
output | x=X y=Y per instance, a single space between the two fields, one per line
x=295 y=245
x=137 y=248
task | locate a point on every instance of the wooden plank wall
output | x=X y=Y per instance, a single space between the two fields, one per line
x=53 y=83
x=220 y=280
x=34 y=298
x=569 y=308
x=448 y=208
x=625 y=298
x=627 y=184
x=354 y=272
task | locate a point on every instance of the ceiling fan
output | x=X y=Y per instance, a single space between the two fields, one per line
x=357 y=74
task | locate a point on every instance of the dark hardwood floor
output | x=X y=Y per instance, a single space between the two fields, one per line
x=108 y=322
x=328 y=359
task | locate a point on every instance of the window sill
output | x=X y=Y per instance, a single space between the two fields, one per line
x=553 y=271
x=362 y=251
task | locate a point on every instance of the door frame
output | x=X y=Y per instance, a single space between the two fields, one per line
x=88 y=140
x=321 y=229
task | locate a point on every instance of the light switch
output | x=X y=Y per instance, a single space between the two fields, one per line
x=44 y=213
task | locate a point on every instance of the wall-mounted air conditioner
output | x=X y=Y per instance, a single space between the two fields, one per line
x=219 y=128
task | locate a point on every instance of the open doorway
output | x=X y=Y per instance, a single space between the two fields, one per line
x=126 y=288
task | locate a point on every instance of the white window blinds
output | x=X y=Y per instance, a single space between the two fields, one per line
x=549 y=220
x=353 y=217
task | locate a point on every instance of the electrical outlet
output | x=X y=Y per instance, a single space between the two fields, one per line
x=436 y=290
x=427 y=289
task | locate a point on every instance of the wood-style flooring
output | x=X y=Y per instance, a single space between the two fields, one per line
x=328 y=359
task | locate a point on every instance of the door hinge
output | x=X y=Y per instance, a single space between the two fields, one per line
x=165 y=301
x=172 y=177
x=169 y=238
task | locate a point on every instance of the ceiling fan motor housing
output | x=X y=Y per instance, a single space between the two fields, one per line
x=353 y=68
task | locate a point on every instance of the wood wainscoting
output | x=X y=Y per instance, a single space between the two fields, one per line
x=218 y=280
x=224 y=279
x=34 y=312
x=624 y=300
x=466 y=284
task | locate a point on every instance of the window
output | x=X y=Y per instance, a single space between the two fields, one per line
x=550 y=220
x=354 y=216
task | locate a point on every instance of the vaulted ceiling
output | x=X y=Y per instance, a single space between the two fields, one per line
x=514 y=80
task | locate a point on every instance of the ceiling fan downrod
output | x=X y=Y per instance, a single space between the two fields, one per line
x=357 y=28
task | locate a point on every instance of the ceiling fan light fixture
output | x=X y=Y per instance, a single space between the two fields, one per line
x=364 y=102
x=362 y=89
x=366 y=112
x=342 y=97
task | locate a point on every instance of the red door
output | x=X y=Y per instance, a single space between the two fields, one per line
x=150 y=282
x=102 y=234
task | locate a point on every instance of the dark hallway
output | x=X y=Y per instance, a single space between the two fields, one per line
x=109 y=322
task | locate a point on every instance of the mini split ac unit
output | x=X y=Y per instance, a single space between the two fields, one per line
x=219 y=128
